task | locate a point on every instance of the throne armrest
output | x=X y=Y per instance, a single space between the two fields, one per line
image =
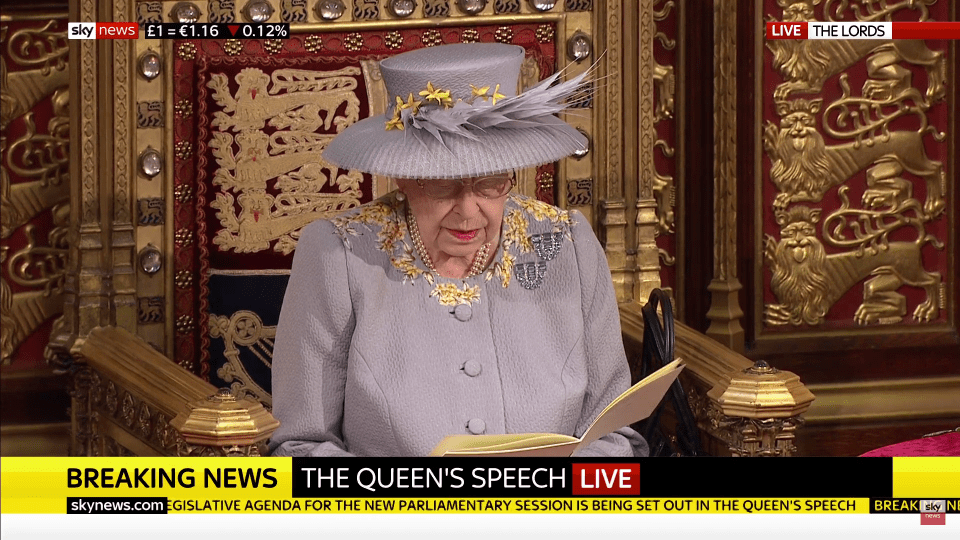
x=743 y=408
x=128 y=399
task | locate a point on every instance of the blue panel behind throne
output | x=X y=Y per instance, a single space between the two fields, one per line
x=244 y=311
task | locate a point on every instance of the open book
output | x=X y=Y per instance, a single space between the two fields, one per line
x=637 y=403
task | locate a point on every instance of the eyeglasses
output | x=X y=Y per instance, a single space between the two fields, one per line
x=487 y=187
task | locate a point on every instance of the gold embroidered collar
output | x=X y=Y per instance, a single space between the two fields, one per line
x=394 y=237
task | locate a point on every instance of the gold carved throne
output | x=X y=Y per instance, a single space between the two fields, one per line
x=195 y=162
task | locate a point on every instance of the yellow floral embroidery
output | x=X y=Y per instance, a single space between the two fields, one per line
x=368 y=215
x=502 y=269
x=516 y=232
x=542 y=211
x=377 y=213
x=388 y=236
x=406 y=264
x=450 y=295
x=386 y=217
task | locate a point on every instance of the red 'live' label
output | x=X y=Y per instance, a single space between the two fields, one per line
x=786 y=30
x=606 y=478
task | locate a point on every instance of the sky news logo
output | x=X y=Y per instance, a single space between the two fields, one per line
x=933 y=512
x=114 y=30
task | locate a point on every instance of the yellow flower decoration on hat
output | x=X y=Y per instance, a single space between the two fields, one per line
x=441 y=96
x=496 y=95
x=479 y=92
x=396 y=122
x=484 y=92
x=412 y=104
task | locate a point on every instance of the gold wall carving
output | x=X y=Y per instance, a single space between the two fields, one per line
x=664 y=189
x=808 y=282
x=105 y=411
x=869 y=239
x=39 y=159
x=647 y=276
x=123 y=294
x=43 y=156
x=39 y=267
x=666 y=16
x=23 y=89
x=578 y=5
x=804 y=168
x=150 y=309
x=612 y=201
x=366 y=10
x=725 y=312
x=377 y=101
x=806 y=65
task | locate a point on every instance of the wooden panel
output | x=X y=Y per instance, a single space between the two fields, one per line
x=856 y=439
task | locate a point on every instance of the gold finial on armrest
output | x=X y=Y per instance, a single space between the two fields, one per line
x=222 y=425
x=760 y=409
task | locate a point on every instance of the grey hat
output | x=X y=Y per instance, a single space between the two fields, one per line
x=457 y=115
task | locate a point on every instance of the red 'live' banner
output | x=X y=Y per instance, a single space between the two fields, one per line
x=606 y=478
x=863 y=30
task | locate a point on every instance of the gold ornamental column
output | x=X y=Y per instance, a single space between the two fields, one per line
x=647 y=277
x=725 y=312
x=87 y=288
x=613 y=207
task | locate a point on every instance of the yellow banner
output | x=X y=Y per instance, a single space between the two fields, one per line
x=42 y=485
x=264 y=485
x=926 y=477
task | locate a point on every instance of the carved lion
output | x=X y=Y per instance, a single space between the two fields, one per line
x=807 y=281
x=804 y=168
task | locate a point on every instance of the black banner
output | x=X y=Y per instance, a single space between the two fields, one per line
x=116 y=505
x=554 y=477
x=215 y=31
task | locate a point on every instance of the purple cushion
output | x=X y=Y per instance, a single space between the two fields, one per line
x=947 y=444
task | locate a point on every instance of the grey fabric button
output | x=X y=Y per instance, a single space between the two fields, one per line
x=476 y=426
x=472 y=368
x=463 y=312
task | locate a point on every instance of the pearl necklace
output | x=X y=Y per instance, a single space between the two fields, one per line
x=479 y=260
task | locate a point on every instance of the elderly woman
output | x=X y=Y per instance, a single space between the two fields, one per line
x=449 y=306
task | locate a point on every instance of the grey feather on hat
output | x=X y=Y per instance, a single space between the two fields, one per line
x=457 y=115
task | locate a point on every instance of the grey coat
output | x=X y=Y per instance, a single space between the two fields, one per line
x=375 y=356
